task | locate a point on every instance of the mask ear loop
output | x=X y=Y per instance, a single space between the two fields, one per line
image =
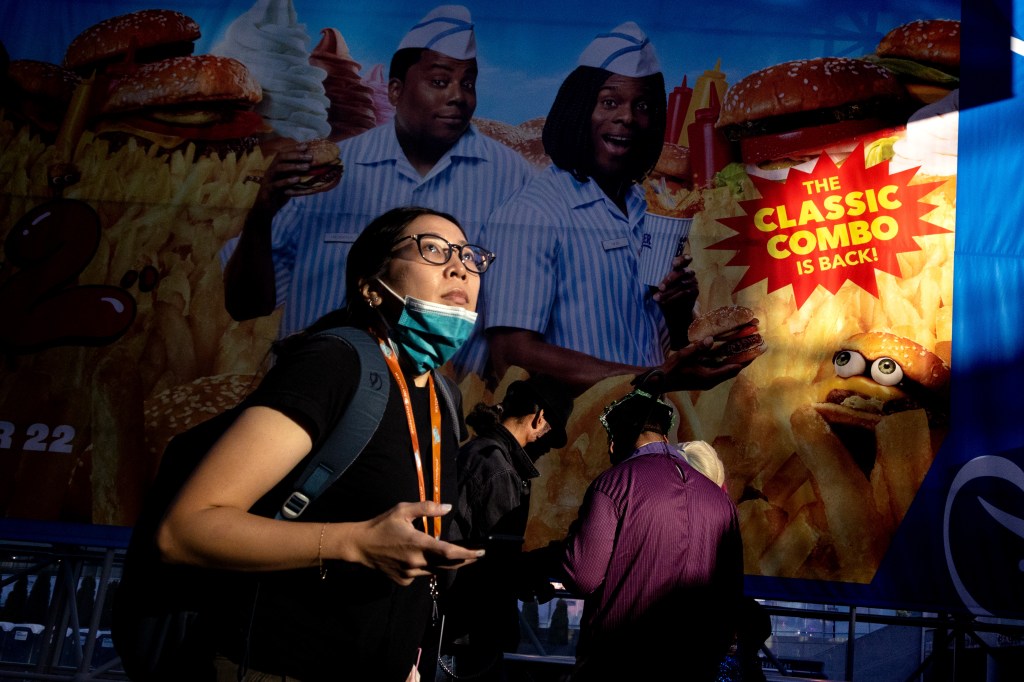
x=390 y=290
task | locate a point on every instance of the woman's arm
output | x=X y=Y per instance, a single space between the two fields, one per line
x=209 y=523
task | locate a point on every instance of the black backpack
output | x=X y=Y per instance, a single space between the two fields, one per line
x=158 y=626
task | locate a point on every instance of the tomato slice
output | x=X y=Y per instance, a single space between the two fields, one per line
x=809 y=141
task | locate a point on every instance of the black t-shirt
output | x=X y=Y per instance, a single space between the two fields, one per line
x=357 y=623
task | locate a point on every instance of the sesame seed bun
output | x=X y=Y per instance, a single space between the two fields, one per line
x=927 y=40
x=918 y=363
x=111 y=39
x=805 y=85
x=183 y=80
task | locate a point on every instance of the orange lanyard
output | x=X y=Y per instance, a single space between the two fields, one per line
x=435 y=432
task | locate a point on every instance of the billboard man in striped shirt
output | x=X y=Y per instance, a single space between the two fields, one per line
x=292 y=249
x=564 y=298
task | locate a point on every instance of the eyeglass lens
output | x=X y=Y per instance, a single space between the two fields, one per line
x=437 y=250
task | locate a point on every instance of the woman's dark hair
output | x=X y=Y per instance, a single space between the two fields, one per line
x=519 y=401
x=566 y=134
x=368 y=258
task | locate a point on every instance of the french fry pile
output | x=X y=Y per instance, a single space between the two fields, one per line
x=172 y=213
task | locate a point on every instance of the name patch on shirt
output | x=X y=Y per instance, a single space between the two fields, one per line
x=610 y=244
x=346 y=237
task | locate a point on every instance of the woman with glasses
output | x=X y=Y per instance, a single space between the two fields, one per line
x=346 y=592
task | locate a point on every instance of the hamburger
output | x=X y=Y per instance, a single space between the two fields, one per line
x=203 y=99
x=674 y=165
x=325 y=169
x=924 y=55
x=736 y=339
x=39 y=93
x=669 y=187
x=876 y=374
x=136 y=38
x=788 y=114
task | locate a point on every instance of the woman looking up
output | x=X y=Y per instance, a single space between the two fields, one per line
x=347 y=587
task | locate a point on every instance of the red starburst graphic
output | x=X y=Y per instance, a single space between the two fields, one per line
x=829 y=225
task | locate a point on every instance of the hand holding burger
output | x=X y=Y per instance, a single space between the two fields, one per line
x=722 y=343
x=298 y=169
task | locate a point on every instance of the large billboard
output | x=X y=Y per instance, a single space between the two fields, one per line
x=118 y=212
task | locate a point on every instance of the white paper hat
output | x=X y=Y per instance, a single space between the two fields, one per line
x=626 y=50
x=447 y=29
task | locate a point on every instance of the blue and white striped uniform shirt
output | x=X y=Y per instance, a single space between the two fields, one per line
x=312 y=235
x=568 y=269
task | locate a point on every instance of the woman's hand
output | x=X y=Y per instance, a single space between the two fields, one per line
x=391 y=544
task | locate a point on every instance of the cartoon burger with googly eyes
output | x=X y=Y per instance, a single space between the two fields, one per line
x=875 y=375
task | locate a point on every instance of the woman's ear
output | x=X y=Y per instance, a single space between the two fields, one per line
x=371 y=297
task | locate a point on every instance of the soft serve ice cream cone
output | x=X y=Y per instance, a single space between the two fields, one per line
x=351 y=104
x=383 y=109
x=269 y=40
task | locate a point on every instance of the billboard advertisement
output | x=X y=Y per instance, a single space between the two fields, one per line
x=809 y=167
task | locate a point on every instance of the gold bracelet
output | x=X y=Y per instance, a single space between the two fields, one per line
x=320 y=553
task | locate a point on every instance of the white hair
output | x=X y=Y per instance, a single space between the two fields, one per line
x=702 y=457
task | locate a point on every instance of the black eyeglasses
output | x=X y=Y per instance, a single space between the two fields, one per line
x=437 y=250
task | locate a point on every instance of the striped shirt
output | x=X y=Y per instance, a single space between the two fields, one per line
x=656 y=555
x=567 y=268
x=312 y=235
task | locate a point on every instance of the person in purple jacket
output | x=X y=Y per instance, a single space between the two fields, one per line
x=656 y=555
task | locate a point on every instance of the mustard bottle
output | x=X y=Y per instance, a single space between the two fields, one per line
x=712 y=78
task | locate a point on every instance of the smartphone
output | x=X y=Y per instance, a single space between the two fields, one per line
x=493 y=543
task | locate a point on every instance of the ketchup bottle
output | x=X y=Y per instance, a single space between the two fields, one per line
x=678 y=105
x=710 y=151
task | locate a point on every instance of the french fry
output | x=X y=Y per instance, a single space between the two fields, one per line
x=904 y=456
x=791 y=549
x=761 y=523
x=861 y=534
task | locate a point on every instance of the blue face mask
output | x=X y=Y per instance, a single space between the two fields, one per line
x=428 y=333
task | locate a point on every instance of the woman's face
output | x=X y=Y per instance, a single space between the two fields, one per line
x=620 y=124
x=448 y=284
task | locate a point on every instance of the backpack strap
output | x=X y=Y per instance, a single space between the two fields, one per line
x=353 y=430
x=449 y=390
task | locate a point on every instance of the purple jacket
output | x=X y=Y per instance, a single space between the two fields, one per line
x=656 y=554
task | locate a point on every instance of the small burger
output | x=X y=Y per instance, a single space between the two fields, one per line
x=136 y=38
x=204 y=99
x=788 y=114
x=876 y=374
x=669 y=187
x=735 y=335
x=325 y=169
x=924 y=55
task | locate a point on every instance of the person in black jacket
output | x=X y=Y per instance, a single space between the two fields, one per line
x=495 y=470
